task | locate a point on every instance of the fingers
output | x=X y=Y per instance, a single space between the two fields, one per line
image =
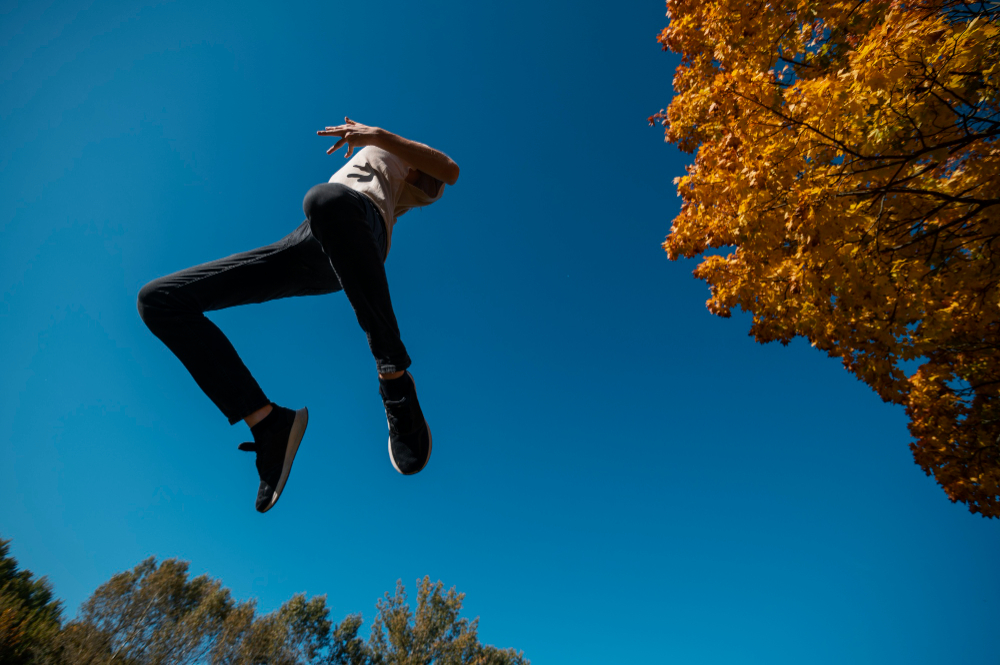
x=339 y=130
x=337 y=146
x=343 y=131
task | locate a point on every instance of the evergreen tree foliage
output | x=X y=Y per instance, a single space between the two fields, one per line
x=29 y=615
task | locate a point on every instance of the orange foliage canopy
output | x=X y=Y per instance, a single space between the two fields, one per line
x=848 y=159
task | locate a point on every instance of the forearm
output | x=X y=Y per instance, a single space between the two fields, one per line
x=425 y=158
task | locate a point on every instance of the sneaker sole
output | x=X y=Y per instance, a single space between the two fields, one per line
x=430 y=439
x=294 y=439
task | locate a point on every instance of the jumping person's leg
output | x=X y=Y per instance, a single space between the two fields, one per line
x=173 y=307
x=339 y=218
x=346 y=224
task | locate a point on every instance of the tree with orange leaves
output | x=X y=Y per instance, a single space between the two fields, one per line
x=848 y=164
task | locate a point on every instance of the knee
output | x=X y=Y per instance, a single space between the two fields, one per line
x=152 y=302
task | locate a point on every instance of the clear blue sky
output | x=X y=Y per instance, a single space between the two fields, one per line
x=618 y=476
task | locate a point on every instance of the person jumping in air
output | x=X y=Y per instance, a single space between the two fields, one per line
x=342 y=244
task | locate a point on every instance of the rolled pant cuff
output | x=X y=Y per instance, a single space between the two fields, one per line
x=393 y=365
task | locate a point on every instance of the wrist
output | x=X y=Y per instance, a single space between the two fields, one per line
x=381 y=138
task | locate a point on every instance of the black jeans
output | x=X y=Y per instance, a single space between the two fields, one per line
x=341 y=245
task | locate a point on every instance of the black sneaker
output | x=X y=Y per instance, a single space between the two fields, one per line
x=275 y=440
x=409 y=434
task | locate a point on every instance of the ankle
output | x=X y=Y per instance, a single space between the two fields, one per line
x=258 y=415
x=390 y=377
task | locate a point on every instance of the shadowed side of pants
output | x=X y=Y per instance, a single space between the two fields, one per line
x=338 y=219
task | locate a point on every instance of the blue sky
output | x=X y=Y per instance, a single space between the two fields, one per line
x=618 y=476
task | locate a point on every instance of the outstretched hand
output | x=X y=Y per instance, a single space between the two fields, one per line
x=353 y=134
